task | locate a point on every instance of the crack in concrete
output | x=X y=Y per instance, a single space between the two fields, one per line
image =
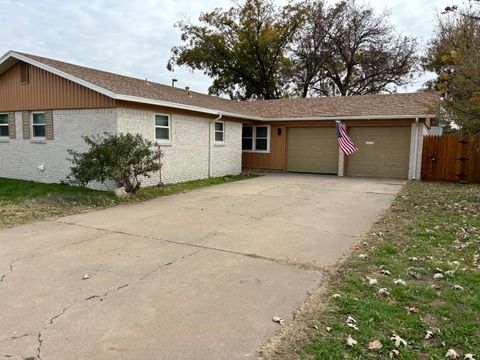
x=2 y=278
x=39 y=348
x=22 y=336
x=167 y=264
x=297 y=264
x=51 y=321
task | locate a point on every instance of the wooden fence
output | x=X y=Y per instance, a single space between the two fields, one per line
x=451 y=158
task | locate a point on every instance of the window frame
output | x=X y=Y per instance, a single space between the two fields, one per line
x=7 y=125
x=33 y=137
x=217 y=142
x=169 y=127
x=254 y=139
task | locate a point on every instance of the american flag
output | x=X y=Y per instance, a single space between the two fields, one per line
x=344 y=141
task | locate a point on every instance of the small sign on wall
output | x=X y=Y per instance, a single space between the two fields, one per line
x=369 y=142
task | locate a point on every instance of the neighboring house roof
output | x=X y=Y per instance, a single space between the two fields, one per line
x=131 y=89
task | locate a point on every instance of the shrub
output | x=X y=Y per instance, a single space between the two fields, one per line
x=120 y=158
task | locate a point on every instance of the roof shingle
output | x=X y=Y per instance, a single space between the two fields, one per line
x=366 y=105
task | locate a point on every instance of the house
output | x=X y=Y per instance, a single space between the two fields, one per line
x=47 y=105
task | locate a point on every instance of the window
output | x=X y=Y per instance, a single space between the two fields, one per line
x=4 y=125
x=261 y=138
x=219 y=131
x=38 y=125
x=162 y=127
x=256 y=138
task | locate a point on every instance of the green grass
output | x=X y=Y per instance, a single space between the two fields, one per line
x=27 y=201
x=437 y=223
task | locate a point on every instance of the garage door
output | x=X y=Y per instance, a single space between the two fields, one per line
x=382 y=152
x=312 y=150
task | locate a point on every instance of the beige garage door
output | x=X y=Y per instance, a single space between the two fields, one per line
x=312 y=150
x=382 y=152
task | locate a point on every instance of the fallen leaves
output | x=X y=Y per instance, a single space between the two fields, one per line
x=383 y=292
x=457 y=287
x=351 y=341
x=400 y=282
x=429 y=335
x=438 y=276
x=86 y=276
x=452 y=354
x=375 y=345
x=398 y=340
x=393 y=353
x=372 y=281
x=278 y=320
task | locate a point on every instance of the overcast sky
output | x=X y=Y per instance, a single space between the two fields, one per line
x=135 y=37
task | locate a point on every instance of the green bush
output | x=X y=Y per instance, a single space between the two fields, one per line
x=119 y=158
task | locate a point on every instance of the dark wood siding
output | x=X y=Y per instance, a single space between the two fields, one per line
x=45 y=90
x=275 y=159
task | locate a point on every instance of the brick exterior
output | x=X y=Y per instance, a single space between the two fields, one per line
x=22 y=157
x=186 y=155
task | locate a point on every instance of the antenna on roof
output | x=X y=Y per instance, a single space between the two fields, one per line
x=173 y=82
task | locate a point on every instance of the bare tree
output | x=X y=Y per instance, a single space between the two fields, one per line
x=348 y=49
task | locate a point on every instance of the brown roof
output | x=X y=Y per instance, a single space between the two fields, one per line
x=366 y=105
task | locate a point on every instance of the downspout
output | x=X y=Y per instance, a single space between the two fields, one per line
x=415 y=155
x=210 y=144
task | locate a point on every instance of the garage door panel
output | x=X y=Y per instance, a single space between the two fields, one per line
x=313 y=150
x=383 y=152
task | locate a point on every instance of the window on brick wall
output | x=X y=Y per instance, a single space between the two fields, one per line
x=162 y=127
x=4 y=125
x=38 y=125
x=219 y=132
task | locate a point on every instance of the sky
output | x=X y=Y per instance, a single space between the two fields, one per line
x=134 y=38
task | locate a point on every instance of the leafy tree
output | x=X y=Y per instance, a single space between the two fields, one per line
x=348 y=49
x=121 y=158
x=243 y=49
x=454 y=55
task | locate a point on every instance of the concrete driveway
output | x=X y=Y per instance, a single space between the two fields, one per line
x=191 y=276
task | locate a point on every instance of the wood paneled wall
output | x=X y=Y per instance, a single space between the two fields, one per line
x=275 y=159
x=45 y=90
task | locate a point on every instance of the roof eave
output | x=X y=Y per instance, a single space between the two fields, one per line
x=354 y=117
x=180 y=106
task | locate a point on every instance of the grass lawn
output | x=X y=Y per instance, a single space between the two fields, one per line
x=26 y=201
x=431 y=228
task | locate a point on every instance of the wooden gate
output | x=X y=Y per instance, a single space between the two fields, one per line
x=451 y=158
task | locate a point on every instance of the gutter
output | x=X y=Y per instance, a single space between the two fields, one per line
x=355 y=117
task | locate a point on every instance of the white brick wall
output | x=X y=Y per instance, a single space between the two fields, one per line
x=227 y=158
x=186 y=156
x=21 y=157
